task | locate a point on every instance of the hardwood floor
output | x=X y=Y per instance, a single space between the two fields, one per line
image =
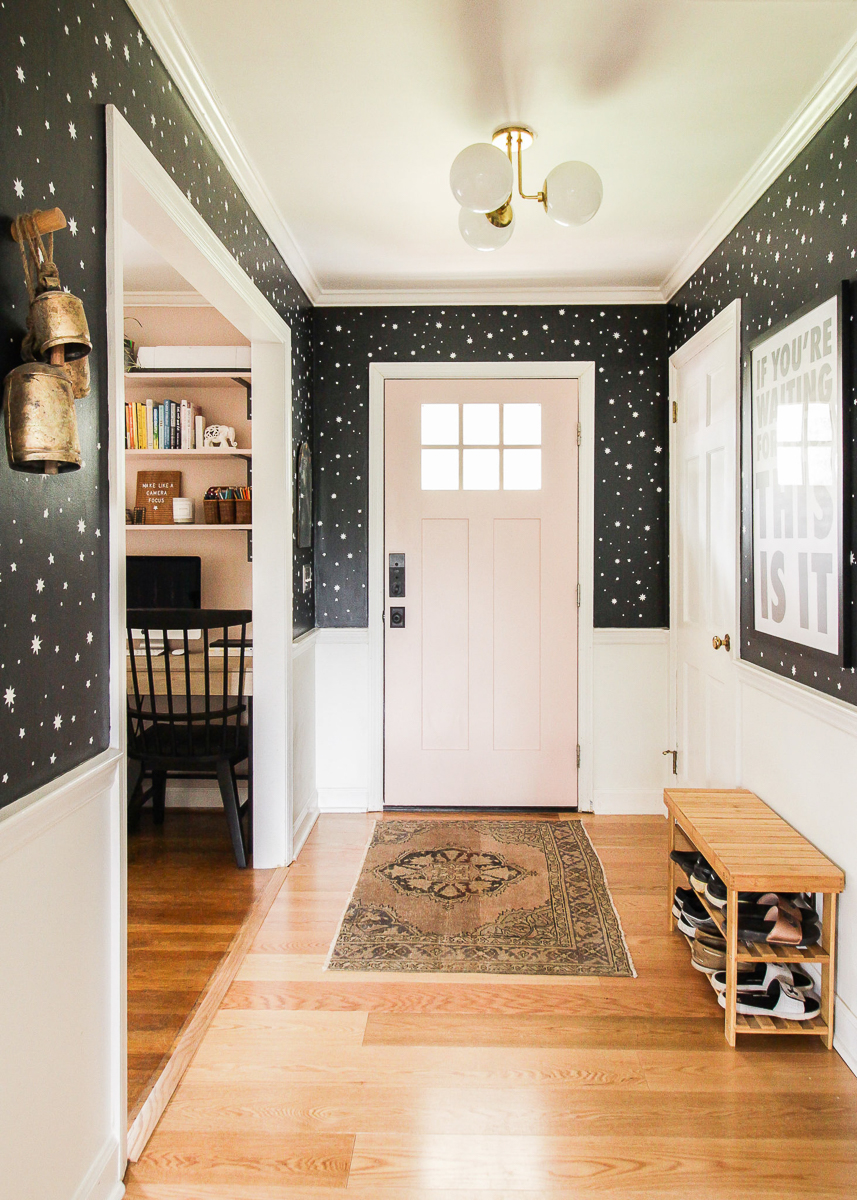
x=414 y=1088
x=186 y=902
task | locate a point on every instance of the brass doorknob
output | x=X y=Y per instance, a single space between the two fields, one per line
x=717 y=642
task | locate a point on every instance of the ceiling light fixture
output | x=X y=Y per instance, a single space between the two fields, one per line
x=482 y=179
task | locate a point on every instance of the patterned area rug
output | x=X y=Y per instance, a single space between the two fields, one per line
x=503 y=897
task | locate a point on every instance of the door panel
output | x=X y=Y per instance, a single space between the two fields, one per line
x=481 y=680
x=706 y=516
x=445 y=635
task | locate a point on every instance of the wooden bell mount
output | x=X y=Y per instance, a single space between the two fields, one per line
x=49 y=221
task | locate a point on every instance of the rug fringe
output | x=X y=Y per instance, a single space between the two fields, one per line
x=351 y=897
x=612 y=901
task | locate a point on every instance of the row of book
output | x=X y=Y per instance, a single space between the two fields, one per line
x=170 y=425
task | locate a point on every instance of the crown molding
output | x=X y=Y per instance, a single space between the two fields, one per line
x=835 y=87
x=164 y=32
x=184 y=299
x=496 y=294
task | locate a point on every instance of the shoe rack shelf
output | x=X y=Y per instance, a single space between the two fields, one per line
x=753 y=849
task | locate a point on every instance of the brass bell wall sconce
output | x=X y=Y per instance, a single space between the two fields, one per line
x=39 y=395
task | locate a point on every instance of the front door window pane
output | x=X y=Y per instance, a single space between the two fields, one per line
x=481 y=424
x=522 y=424
x=481 y=470
x=439 y=424
x=522 y=470
x=440 y=471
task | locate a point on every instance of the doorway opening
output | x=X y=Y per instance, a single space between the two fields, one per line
x=197 y=885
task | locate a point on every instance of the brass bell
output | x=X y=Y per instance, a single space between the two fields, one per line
x=78 y=373
x=41 y=423
x=57 y=319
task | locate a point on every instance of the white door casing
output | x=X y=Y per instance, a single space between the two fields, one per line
x=584 y=373
x=704 y=551
x=481 y=680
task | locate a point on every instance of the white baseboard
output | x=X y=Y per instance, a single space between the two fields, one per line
x=845 y=1034
x=629 y=803
x=304 y=823
x=100 y=1181
x=343 y=800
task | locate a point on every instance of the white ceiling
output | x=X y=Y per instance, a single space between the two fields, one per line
x=351 y=111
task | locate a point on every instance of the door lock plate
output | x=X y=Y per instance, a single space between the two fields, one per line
x=397 y=617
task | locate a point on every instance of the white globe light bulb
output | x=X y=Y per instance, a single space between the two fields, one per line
x=480 y=233
x=573 y=193
x=481 y=177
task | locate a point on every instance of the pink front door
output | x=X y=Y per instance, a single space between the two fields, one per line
x=481 y=676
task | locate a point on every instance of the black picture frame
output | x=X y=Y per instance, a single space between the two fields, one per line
x=303 y=506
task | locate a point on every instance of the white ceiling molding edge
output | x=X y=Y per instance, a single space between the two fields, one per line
x=496 y=294
x=186 y=299
x=821 y=104
x=164 y=32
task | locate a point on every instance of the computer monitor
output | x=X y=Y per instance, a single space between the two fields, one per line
x=163 y=581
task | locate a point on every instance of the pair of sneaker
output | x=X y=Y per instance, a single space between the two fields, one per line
x=703 y=878
x=771 y=990
x=691 y=915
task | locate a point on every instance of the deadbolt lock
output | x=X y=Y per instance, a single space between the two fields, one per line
x=717 y=642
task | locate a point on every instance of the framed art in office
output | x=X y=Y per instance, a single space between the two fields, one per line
x=798 y=470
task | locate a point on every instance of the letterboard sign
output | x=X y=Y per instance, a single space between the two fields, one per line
x=797 y=479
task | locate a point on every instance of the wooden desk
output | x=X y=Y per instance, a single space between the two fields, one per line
x=196 y=669
x=753 y=849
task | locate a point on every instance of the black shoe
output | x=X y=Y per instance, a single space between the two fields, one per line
x=716 y=892
x=682 y=896
x=701 y=875
x=686 y=859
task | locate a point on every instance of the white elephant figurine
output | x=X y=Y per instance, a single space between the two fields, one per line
x=219 y=436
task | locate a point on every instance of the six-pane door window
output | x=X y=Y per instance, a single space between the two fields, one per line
x=481 y=447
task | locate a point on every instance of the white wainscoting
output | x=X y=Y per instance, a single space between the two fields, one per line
x=799 y=753
x=304 y=790
x=630 y=720
x=342 y=719
x=60 y=1008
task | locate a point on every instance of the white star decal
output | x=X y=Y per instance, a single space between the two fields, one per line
x=19 y=188
x=127 y=53
x=139 y=38
x=21 y=732
x=36 y=644
x=72 y=226
x=81 y=526
x=107 y=41
x=53 y=758
x=77 y=658
x=40 y=585
x=20 y=73
x=72 y=131
x=5 y=778
x=57 y=721
x=98 y=531
x=50 y=559
x=14 y=566
x=89 y=638
x=94 y=79
x=9 y=697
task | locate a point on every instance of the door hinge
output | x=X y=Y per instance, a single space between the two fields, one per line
x=578 y=595
x=578 y=754
x=579 y=433
x=675 y=412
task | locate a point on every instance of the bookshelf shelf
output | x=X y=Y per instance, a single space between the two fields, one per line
x=216 y=452
x=200 y=378
x=196 y=528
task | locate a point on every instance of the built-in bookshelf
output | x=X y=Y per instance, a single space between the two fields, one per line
x=221 y=398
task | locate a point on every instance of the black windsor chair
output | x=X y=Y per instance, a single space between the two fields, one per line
x=185 y=722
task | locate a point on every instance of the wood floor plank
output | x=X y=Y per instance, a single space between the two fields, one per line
x=283 y=1160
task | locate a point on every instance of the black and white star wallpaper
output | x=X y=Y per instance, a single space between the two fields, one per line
x=628 y=345
x=61 y=61
x=796 y=245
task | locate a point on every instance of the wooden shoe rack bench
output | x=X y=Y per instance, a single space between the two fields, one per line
x=753 y=849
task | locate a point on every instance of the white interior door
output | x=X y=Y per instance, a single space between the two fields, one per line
x=704 y=512
x=481 y=628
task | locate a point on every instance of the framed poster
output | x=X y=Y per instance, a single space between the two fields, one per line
x=797 y=473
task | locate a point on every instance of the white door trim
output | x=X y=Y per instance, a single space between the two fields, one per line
x=584 y=373
x=728 y=318
x=139 y=189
